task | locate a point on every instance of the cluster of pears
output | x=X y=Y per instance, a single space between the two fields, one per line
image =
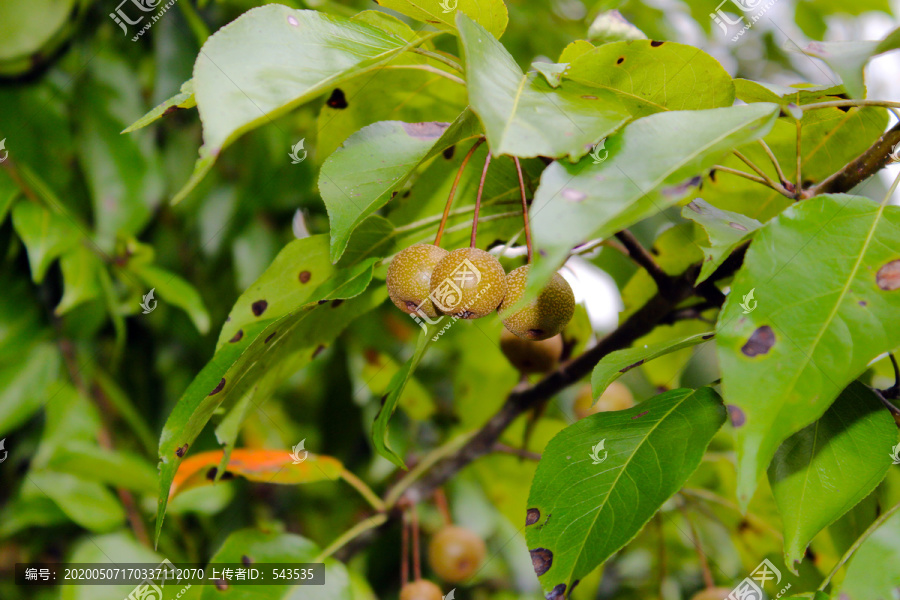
x=455 y=554
x=416 y=275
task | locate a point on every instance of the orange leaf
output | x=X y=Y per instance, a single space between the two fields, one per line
x=266 y=466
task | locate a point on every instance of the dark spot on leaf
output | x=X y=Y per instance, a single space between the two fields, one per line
x=318 y=350
x=180 y=452
x=737 y=226
x=245 y=560
x=696 y=208
x=712 y=175
x=589 y=97
x=639 y=415
x=227 y=475
x=337 y=99
x=556 y=593
x=532 y=516
x=449 y=152
x=656 y=44
x=708 y=336
x=211 y=474
x=631 y=366
x=218 y=388
x=259 y=307
x=541 y=559
x=621 y=60
x=322 y=301
x=371 y=356
x=431 y=130
x=863 y=303
x=336 y=303
x=170 y=110
x=433 y=22
x=760 y=342
x=221 y=585
x=407 y=193
x=394 y=194
x=237 y=337
x=574 y=583
x=843 y=108
x=744 y=526
x=383 y=399
x=304 y=276
x=679 y=190
x=271 y=335
x=736 y=416
x=888 y=277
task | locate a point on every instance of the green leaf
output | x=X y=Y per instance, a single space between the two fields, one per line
x=611 y=26
x=825 y=469
x=725 y=229
x=649 y=76
x=119 y=547
x=580 y=512
x=352 y=190
x=183 y=99
x=114 y=467
x=239 y=364
x=46 y=235
x=848 y=59
x=395 y=391
x=825 y=275
x=799 y=94
x=87 y=503
x=614 y=364
x=490 y=14
x=873 y=572
x=32 y=32
x=650 y=166
x=173 y=289
x=28 y=383
x=272 y=59
x=80 y=269
x=522 y=114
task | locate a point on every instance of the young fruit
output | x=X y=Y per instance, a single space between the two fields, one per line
x=420 y=589
x=543 y=317
x=409 y=278
x=468 y=283
x=716 y=593
x=455 y=553
x=615 y=397
x=531 y=357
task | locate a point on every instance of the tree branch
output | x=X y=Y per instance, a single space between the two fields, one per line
x=644 y=259
x=861 y=168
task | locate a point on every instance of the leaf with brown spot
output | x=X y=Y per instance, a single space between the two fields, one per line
x=808 y=336
x=598 y=508
x=725 y=230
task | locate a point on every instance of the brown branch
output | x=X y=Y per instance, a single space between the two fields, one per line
x=860 y=168
x=644 y=259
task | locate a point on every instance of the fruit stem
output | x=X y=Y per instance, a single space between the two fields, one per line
x=404 y=551
x=440 y=500
x=798 y=189
x=487 y=163
x=704 y=564
x=440 y=231
x=524 y=207
x=417 y=563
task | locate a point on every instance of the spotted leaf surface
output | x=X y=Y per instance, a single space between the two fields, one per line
x=600 y=480
x=725 y=230
x=826 y=281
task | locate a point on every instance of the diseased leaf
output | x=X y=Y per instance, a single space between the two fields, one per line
x=490 y=14
x=650 y=76
x=726 y=230
x=270 y=60
x=652 y=164
x=825 y=275
x=522 y=114
x=760 y=91
x=825 y=469
x=600 y=480
x=263 y=466
x=615 y=364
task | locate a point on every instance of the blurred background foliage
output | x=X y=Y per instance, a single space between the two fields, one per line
x=86 y=229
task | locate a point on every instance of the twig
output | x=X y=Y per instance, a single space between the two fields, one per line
x=520 y=452
x=487 y=163
x=351 y=534
x=417 y=559
x=363 y=489
x=768 y=180
x=404 y=550
x=440 y=501
x=698 y=547
x=893 y=392
x=843 y=103
x=743 y=174
x=644 y=259
x=524 y=208
x=440 y=58
x=459 y=172
x=784 y=181
x=429 y=69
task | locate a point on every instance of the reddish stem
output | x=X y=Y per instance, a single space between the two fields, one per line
x=524 y=207
x=417 y=564
x=404 y=552
x=440 y=231
x=440 y=500
x=487 y=163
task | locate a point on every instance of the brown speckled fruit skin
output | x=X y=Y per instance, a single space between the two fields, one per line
x=421 y=589
x=712 y=594
x=528 y=356
x=616 y=396
x=478 y=299
x=543 y=317
x=456 y=553
x=409 y=277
